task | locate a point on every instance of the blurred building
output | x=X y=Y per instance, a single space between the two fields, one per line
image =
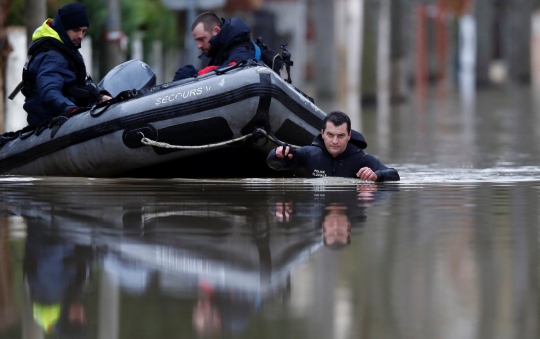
x=327 y=37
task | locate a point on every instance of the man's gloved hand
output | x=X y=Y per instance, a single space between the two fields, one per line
x=211 y=68
x=93 y=92
x=185 y=72
x=207 y=69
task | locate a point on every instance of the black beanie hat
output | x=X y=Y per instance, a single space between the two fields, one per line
x=73 y=16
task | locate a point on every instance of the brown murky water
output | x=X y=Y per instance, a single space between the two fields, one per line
x=451 y=251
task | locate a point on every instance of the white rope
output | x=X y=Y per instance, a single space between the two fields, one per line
x=149 y=142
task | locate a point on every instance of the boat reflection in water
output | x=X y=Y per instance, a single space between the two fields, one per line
x=211 y=261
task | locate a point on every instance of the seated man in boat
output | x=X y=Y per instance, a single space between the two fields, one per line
x=331 y=154
x=54 y=78
x=222 y=42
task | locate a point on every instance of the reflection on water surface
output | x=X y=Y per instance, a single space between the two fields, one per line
x=220 y=251
x=321 y=258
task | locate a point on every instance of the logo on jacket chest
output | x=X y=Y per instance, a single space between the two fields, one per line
x=318 y=173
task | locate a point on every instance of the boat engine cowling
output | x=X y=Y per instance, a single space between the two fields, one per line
x=132 y=74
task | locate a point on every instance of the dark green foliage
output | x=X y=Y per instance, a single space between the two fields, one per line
x=150 y=16
x=16 y=13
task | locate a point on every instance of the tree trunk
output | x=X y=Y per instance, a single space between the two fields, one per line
x=349 y=35
x=189 y=43
x=517 y=40
x=113 y=51
x=5 y=48
x=401 y=17
x=535 y=53
x=421 y=51
x=383 y=56
x=325 y=67
x=35 y=15
x=384 y=44
x=486 y=27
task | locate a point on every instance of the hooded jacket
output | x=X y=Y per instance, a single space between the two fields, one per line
x=317 y=162
x=51 y=72
x=231 y=44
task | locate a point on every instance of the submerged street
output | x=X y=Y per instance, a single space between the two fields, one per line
x=450 y=251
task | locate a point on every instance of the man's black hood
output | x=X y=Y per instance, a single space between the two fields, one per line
x=231 y=30
x=358 y=139
x=357 y=142
x=58 y=26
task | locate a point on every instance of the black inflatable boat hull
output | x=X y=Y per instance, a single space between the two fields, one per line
x=105 y=141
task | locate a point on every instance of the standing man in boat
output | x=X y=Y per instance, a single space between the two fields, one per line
x=223 y=42
x=331 y=154
x=55 y=80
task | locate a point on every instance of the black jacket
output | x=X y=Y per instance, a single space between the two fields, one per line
x=232 y=43
x=55 y=76
x=317 y=162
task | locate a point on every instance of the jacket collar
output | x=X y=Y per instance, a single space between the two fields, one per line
x=58 y=26
x=231 y=30
x=351 y=147
x=46 y=31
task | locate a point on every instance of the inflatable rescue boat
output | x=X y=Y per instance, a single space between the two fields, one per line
x=221 y=124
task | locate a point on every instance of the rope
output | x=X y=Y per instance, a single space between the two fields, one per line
x=150 y=142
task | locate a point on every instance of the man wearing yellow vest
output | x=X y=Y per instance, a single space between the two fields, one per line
x=55 y=80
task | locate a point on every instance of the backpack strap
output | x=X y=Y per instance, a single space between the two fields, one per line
x=257 y=51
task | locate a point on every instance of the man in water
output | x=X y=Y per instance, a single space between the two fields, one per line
x=331 y=154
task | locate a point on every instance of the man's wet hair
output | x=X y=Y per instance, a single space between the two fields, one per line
x=209 y=21
x=337 y=118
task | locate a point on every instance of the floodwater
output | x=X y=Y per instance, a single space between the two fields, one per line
x=451 y=251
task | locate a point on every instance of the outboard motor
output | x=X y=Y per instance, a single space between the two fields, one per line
x=132 y=74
